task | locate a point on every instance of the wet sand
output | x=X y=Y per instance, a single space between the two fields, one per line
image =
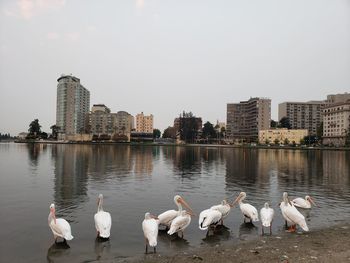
x=325 y=245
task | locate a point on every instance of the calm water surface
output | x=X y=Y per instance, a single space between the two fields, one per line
x=136 y=179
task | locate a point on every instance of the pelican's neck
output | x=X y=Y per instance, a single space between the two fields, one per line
x=285 y=200
x=52 y=217
x=240 y=201
x=99 y=207
x=179 y=206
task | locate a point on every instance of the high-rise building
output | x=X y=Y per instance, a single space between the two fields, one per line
x=144 y=123
x=246 y=118
x=302 y=115
x=336 y=123
x=73 y=104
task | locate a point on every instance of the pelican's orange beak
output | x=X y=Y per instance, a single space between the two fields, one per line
x=234 y=202
x=312 y=201
x=190 y=212
x=154 y=217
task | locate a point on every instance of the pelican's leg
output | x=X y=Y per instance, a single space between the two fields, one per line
x=146 y=246
x=286 y=224
x=98 y=234
x=222 y=221
x=262 y=230
x=182 y=234
x=251 y=221
x=154 y=250
x=244 y=219
x=271 y=229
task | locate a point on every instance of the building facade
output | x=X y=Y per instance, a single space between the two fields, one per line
x=102 y=121
x=302 y=115
x=144 y=123
x=281 y=135
x=73 y=104
x=336 y=123
x=246 y=118
x=337 y=98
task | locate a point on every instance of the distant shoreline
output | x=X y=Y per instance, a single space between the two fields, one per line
x=193 y=145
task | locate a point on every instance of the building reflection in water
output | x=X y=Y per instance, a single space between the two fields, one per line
x=273 y=168
x=108 y=161
x=71 y=168
x=34 y=151
x=143 y=159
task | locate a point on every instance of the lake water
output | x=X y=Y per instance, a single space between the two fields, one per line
x=137 y=179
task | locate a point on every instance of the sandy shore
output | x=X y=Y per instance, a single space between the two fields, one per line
x=326 y=245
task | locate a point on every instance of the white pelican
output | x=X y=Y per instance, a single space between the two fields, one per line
x=292 y=215
x=248 y=210
x=167 y=217
x=266 y=215
x=209 y=218
x=224 y=208
x=150 y=231
x=180 y=223
x=303 y=203
x=103 y=220
x=59 y=226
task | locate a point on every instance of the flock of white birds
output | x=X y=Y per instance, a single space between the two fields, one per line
x=176 y=221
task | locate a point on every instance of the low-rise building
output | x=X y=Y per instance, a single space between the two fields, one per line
x=282 y=135
x=336 y=123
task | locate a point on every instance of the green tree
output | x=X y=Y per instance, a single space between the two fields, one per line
x=276 y=141
x=273 y=124
x=347 y=138
x=208 y=130
x=319 y=131
x=34 y=128
x=286 y=141
x=169 y=133
x=54 y=131
x=285 y=123
x=156 y=133
x=267 y=141
x=189 y=126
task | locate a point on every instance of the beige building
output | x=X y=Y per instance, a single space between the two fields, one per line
x=336 y=123
x=270 y=136
x=102 y=121
x=302 y=115
x=247 y=118
x=144 y=123
x=337 y=98
x=73 y=104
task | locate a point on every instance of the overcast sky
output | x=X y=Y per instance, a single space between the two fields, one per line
x=163 y=57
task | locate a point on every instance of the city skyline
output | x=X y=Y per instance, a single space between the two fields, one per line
x=162 y=58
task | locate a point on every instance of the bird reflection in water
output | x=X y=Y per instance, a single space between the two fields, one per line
x=221 y=233
x=247 y=230
x=102 y=247
x=173 y=241
x=57 y=251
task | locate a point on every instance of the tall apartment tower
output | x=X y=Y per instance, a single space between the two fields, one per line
x=246 y=118
x=144 y=123
x=73 y=103
x=302 y=115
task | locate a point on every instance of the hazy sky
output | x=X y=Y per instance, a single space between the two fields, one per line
x=162 y=57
